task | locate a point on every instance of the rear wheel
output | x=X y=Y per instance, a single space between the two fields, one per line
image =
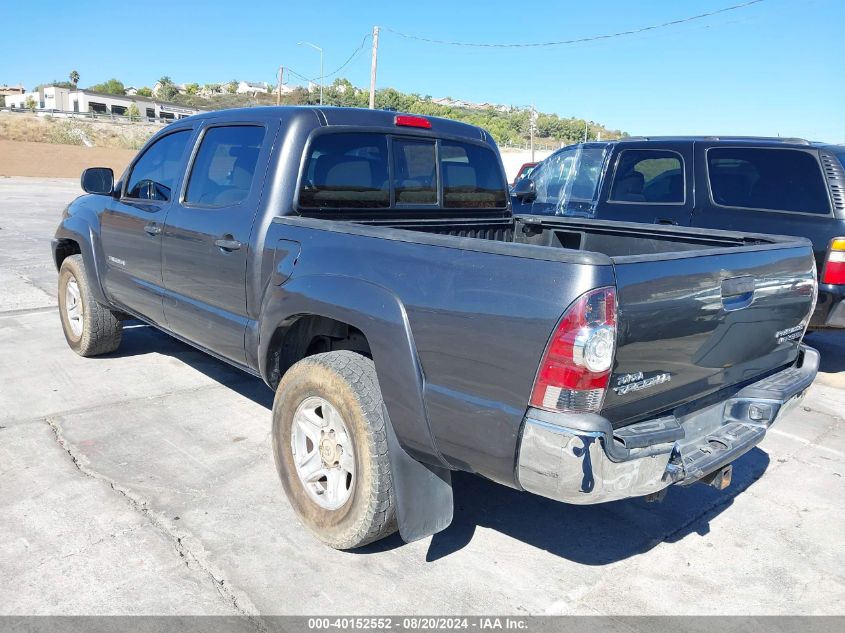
x=90 y=328
x=330 y=445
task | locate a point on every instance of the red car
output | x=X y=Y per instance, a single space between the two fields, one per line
x=524 y=171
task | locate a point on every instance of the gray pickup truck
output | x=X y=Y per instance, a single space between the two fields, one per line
x=367 y=266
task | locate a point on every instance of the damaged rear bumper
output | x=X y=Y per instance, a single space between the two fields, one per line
x=581 y=459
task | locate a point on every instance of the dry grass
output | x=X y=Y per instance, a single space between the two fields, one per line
x=24 y=158
x=46 y=129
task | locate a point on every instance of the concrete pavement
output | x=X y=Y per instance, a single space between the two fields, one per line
x=143 y=483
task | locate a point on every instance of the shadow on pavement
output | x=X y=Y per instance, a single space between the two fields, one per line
x=831 y=346
x=590 y=535
x=140 y=338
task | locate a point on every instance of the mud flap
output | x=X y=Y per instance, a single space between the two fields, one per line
x=424 y=503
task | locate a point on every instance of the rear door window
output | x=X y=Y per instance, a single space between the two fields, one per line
x=346 y=171
x=648 y=176
x=224 y=166
x=774 y=179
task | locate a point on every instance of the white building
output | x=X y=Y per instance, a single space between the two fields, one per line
x=249 y=87
x=55 y=99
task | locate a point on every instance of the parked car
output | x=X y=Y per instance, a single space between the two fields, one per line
x=524 y=171
x=766 y=185
x=368 y=268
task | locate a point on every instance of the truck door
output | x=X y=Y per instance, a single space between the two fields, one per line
x=648 y=184
x=130 y=227
x=206 y=240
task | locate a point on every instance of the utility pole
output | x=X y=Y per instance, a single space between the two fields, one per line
x=316 y=48
x=531 y=120
x=279 y=85
x=373 y=69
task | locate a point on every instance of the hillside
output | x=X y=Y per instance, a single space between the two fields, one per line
x=509 y=126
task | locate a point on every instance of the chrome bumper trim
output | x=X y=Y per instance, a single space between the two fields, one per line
x=578 y=461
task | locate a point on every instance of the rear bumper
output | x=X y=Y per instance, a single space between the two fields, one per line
x=581 y=459
x=830 y=307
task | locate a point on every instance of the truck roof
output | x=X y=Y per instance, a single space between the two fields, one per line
x=764 y=141
x=363 y=117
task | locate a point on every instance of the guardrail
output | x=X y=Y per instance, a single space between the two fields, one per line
x=95 y=116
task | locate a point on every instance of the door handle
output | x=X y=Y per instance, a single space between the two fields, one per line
x=228 y=243
x=737 y=292
x=152 y=229
x=665 y=221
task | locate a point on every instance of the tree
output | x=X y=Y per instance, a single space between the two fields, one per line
x=133 y=112
x=74 y=78
x=112 y=87
x=145 y=92
x=211 y=89
x=232 y=87
x=166 y=89
x=30 y=103
x=192 y=89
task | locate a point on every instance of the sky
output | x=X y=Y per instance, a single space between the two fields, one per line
x=772 y=68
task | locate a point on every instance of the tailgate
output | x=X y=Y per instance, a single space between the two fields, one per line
x=693 y=324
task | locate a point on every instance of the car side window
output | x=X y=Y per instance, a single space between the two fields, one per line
x=550 y=176
x=155 y=173
x=760 y=178
x=648 y=176
x=224 y=167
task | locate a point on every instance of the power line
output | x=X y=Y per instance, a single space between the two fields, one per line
x=354 y=54
x=580 y=40
x=351 y=57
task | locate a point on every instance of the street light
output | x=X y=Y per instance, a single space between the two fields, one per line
x=314 y=46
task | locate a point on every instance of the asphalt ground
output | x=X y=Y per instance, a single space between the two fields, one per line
x=143 y=482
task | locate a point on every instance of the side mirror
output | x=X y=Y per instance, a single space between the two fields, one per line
x=99 y=180
x=525 y=190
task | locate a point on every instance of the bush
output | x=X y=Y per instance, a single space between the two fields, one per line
x=66 y=132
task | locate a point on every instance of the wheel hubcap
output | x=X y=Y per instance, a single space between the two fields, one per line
x=73 y=307
x=322 y=453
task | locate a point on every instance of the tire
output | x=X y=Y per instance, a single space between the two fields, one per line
x=362 y=508
x=90 y=328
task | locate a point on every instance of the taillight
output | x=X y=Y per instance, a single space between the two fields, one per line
x=408 y=120
x=834 y=267
x=578 y=360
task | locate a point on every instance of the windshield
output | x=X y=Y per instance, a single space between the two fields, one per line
x=567 y=182
x=841 y=157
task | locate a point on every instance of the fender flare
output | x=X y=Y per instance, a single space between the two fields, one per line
x=80 y=231
x=421 y=475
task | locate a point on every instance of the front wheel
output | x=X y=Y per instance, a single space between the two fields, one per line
x=90 y=328
x=330 y=445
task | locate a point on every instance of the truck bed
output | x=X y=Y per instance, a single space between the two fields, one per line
x=698 y=309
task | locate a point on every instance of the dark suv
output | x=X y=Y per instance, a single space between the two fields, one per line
x=764 y=185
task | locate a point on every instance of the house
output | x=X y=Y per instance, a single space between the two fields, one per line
x=8 y=91
x=249 y=87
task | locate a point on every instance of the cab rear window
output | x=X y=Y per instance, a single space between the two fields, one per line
x=379 y=171
x=346 y=171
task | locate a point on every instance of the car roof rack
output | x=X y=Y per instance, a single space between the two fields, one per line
x=781 y=139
